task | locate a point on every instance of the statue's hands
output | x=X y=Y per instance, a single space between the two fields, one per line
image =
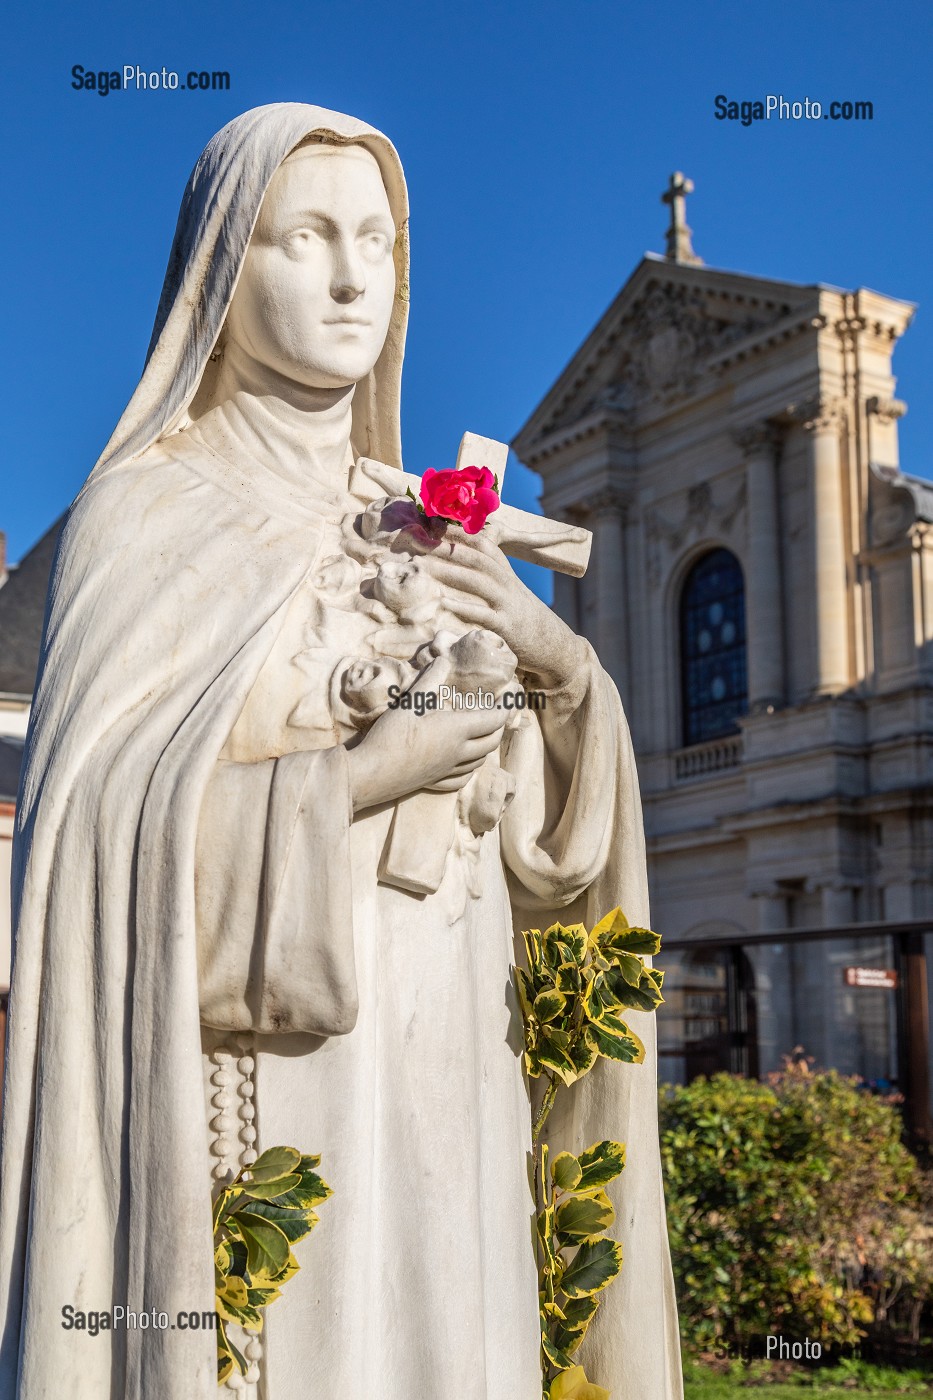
x=482 y=589
x=404 y=752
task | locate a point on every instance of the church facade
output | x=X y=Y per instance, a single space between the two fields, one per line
x=761 y=590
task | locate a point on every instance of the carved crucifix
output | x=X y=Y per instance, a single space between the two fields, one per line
x=521 y=535
x=416 y=849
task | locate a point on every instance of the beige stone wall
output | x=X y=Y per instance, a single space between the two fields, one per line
x=709 y=410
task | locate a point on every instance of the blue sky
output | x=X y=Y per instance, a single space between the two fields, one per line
x=536 y=140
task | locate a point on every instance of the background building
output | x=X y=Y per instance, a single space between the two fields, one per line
x=761 y=589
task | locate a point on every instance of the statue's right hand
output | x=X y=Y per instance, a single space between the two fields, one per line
x=405 y=752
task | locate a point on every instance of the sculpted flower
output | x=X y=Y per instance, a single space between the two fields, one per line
x=360 y=693
x=468 y=496
x=483 y=659
x=338 y=574
x=410 y=593
x=573 y=1385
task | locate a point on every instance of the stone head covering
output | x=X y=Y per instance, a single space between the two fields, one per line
x=218 y=213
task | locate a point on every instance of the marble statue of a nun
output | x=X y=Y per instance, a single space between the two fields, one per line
x=213 y=952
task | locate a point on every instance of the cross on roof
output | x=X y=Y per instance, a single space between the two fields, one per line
x=679 y=248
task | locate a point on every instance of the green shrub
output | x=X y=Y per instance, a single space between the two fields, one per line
x=794 y=1208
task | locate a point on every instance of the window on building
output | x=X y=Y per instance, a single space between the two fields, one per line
x=712 y=647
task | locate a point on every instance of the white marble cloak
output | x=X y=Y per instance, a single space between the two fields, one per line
x=150 y=653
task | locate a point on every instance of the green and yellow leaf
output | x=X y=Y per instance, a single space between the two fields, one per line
x=274 y=1163
x=584 y=1052
x=613 y=923
x=592 y=1268
x=234 y=1291
x=548 y=1005
x=565 y=1171
x=643 y=941
x=264 y=1190
x=245 y=1316
x=584 y=1217
x=567 y=1342
x=568 y=979
x=311 y=1190
x=573 y=1385
x=626 y=1049
x=601 y=1163
x=579 y=1313
x=554 y=1355
x=228 y=1356
x=294 y=1224
x=267 y=1247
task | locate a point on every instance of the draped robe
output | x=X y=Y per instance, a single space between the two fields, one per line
x=385 y=1031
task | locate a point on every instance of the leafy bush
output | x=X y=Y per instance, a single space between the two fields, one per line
x=794 y=1208
x=850 y=1377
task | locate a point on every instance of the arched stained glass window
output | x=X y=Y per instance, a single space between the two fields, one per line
x=712 y=647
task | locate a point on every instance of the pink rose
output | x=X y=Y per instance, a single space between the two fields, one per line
x=467 y=497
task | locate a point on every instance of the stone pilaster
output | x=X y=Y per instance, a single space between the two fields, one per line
x=822 y=421
x=837 y=898
x=773 y=911
x=566 y=600
x=605 y=516
x=764 y=591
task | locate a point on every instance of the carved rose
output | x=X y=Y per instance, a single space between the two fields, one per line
x=364 y=687
x=401 y=586
x=477 y=658
x=467 y=497
x=337 y=575
x=484 y=658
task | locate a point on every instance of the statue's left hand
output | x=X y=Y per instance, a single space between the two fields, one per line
x=482 y=589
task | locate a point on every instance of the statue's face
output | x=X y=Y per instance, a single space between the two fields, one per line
x=317 y=287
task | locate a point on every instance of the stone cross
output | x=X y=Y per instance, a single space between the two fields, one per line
x=520 y=534
x=679 y=247
x=415 y=854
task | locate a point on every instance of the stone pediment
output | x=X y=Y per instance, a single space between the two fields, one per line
x=670 y=328
x=667 y=337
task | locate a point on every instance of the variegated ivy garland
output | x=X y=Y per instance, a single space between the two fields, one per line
x=574 y=993
x=258 y=1216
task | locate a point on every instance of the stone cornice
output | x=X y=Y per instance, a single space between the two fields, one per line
x=609 y=422
x=786 y=329
x=885 y=410
x=849 y=328
x=607 y=502
x=758 y=438
x=818 y=415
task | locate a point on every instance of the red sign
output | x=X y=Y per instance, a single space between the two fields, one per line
x=871 y=977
